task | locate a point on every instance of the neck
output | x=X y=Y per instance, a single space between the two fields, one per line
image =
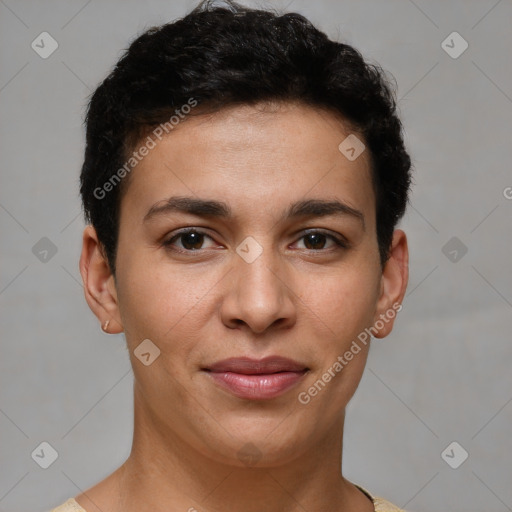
x=165 y=473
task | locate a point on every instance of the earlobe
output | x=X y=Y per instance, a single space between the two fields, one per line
x=99 y=285
x=395 y=276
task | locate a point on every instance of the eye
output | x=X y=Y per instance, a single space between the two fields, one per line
x=191 y=240
x=315 y=240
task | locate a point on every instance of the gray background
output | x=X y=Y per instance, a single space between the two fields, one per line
x=443 y=375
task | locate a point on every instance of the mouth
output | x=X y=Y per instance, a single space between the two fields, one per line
x=254 y=379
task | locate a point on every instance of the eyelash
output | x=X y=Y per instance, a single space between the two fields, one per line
x=340 y=242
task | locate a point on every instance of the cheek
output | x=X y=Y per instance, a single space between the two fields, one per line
x=152 y=299
x=339 y=309
x=166 y=304
x=159 y=306
x=344 y=303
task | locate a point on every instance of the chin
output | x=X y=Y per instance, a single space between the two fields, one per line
x=259 y=447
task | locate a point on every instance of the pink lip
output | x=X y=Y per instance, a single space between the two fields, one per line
x=257 y=379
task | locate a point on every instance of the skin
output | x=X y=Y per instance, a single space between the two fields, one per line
x=302 y=299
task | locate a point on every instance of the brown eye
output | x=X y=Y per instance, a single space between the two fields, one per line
x=191 y=240
x=314 y=241
x=317 y=240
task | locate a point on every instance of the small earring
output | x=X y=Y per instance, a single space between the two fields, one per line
x=105 y=325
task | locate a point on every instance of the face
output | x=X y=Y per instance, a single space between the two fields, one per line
x=248 y=255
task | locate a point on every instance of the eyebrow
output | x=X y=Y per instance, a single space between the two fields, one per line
x=219 y=209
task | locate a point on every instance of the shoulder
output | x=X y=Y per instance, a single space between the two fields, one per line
x=69 y=506
x=382 y=505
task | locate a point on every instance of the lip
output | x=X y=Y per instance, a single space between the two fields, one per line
x=257 y=379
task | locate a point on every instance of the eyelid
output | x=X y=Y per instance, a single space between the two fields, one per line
x=338 y=239
x=168 y=242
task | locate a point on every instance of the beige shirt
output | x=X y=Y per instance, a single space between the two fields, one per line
x=380 y=504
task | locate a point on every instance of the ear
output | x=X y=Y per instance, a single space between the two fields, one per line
x=99 y=284
x=395 y=276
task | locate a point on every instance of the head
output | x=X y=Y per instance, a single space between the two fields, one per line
x=232 y=123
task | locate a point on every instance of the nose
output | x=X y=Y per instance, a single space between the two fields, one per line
x=259 y=295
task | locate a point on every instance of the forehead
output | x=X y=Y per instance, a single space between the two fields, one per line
x=265 y=155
